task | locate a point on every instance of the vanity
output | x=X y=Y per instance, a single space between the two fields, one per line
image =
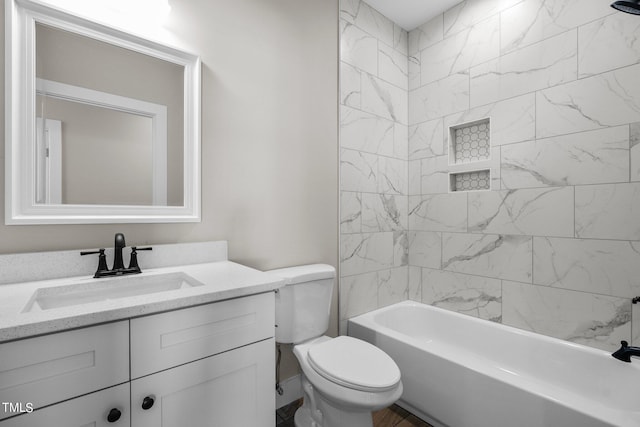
x=192 y=344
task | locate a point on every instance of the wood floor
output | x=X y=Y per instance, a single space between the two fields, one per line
x=393 y=416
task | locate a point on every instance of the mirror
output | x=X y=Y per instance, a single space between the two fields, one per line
x=103 y=125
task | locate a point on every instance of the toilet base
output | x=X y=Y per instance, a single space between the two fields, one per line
x=327 y=413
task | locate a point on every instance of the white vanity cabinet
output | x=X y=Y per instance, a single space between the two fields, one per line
x=208 y=365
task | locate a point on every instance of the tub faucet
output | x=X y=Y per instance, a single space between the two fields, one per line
x=625 y=352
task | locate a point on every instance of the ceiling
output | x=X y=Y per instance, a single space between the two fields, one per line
x=410 y=14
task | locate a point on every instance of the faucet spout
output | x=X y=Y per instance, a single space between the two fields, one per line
x=625 y=352
x=118 y=245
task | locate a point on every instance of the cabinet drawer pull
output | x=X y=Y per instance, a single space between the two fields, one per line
x=114 y=415
x=147 y=402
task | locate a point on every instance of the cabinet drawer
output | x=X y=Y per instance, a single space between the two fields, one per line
x=88 y=410
x=232 y=389
x=56 y=367
x=169 y=339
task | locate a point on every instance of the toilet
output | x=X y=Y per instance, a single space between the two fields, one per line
x=344 y=379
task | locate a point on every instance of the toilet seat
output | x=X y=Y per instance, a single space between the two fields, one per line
x=354 y=364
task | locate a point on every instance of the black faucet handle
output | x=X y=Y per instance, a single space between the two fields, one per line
x=102 y=261
x=133 y=261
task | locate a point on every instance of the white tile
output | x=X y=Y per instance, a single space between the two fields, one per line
x=594 y=320
x=595 y=157
x=358 y=171
x=381 y=212
x=392 y=286
x=438 y=99
x=349 y=85
x=363 y=253
x=414 y=177
x=384 y=99
x=393 y=66
x=609 y=211
x=350 y=212
x=425 y=249
x=414 y=72
x=426 y=35
x=358 y=48
x=415 y=283
x=498 y=256
x=462 y=50
x=400 y=138
x=434 y=177
x=542 y=65
x=472 y=295
x=366 y=132
x=374 y=23
x=392 y=176
x=533 y=20
x=634 y=144
x=440 y=212
x=609 y=99
x=608 y=44
x=540 y=212
x=400 y=39
x=468 y=12
x=358 y=294
x=400 y=248
x=427 y=140
x=349 y=10
x=608 y=267
x=512 y=120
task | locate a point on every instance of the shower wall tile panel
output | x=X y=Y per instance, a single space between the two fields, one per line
x=597 y=320
x=553 y=247
x=460 y=51
x=440 y=98
x=608 y=99
x=538 y=212
x=608 y=43
x=473 y=295
x=440 y=212
x=374 y=247
x=548 y=63
x=634 y=144
x=608 y=211
x=594 y=157
x=533 y=20
x=506 y=257
x=607 y=267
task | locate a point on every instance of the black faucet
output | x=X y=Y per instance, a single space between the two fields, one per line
x=118 y=264
x=625 y=352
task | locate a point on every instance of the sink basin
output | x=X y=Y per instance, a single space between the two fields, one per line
x=107 y=289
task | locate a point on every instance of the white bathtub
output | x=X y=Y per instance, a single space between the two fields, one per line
x=459 y=371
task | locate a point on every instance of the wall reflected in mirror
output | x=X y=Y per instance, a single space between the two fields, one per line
x=110 y=124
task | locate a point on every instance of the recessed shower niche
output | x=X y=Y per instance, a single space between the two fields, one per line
x=469 y=154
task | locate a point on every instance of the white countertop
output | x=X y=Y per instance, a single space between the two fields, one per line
x=221 y=280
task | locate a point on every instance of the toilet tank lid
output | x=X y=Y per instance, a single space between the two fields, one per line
x=304 y=273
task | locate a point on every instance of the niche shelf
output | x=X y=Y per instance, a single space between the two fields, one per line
x=470 y=156
x=470 y=142
x=471 y=181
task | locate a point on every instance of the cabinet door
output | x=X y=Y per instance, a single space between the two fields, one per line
x=232 y=389
x=52 y=368
x=89 y=410
x=162 y=341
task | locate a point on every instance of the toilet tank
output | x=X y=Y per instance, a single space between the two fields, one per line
x=304 y=302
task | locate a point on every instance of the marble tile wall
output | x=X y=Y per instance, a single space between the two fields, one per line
x=554 y=246
x=374 y=188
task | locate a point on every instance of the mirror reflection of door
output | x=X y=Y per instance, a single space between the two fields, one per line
x=121 y=119
x=48 y=161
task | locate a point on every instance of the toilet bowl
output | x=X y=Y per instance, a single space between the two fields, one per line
x=344 y=379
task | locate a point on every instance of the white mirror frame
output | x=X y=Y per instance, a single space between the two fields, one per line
x=20 y=122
